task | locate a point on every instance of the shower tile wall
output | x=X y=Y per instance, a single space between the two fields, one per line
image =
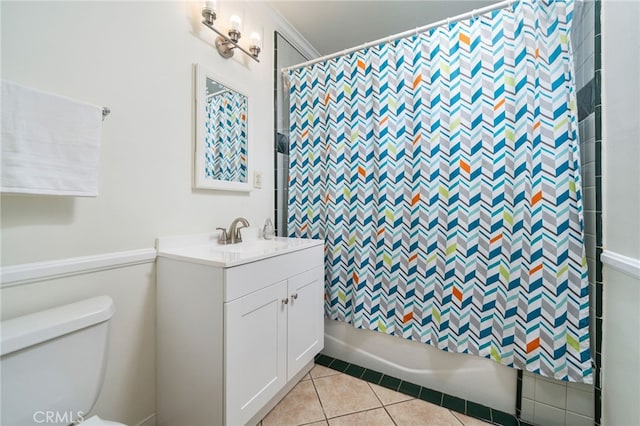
x=545 y=401
x=285 y=55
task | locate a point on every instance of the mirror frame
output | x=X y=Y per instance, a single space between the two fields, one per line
x=200 y=180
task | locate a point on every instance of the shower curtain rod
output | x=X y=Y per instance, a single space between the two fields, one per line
x=416 y=31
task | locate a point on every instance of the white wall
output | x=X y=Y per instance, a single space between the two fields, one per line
x=621 y=210
x=136 y=58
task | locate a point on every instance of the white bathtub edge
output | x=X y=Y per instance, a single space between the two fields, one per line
x=465 y=376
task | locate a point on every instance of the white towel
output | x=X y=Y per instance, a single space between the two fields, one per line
x=50 y=144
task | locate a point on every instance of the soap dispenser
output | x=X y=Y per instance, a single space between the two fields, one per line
x=268 y=232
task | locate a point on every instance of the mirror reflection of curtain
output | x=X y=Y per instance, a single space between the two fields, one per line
x=226 y=137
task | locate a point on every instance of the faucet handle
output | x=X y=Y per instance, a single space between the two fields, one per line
x=223 y=238
x=239 y=234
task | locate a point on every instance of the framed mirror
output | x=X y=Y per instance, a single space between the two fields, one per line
x=221 y=147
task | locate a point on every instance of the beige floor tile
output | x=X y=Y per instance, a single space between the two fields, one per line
x=341 y=394
x=418 y=412
x=306 y=377
x=322 y=371
x=322 y=423
x=469 y=421
x=388 y=396
x=300 y=406
x=377 y=417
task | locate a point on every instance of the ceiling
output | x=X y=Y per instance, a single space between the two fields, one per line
x=334 y=25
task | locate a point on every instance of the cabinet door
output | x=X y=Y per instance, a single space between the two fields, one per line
x=306 y=319
x=255 y=355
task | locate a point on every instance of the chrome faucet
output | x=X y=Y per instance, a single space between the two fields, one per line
x=233 y=236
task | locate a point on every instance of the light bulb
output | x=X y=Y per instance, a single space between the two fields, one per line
x=211 y=5
x=209 y=12
x=235 y=22
x=255 y=40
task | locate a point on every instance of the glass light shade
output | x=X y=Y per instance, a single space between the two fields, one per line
x=211 y=5
x=235 y=22
x=256 y=40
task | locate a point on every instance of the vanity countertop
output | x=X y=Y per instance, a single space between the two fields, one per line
x=204 y=249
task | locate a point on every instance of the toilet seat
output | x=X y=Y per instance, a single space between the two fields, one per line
x=97 y=421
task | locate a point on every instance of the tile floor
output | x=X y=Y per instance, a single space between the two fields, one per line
x=328 y=397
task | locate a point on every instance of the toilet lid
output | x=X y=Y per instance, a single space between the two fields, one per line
x=97 y=421
x=93 y=421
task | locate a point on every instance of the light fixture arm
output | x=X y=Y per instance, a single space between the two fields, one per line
x=224 y=43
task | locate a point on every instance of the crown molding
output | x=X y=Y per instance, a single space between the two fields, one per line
x=292 y=34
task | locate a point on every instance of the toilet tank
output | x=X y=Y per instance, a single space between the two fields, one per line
x=52 y=363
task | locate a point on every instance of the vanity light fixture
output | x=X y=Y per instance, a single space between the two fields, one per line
x=256 y=44
x=226 y=44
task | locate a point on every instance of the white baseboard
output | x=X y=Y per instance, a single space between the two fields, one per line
x=42 y=271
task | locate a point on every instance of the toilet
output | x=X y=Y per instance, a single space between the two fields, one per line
x=53 y=362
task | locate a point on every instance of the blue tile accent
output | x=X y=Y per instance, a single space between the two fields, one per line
x=431 y=396
x=323 y=360
x=586 y=100
x=502 y=418
x=454 y=403
x=598 y=148
x=339 y=365
x=408 y=388
x=390 y=382
x=478 y=411
x=354 y=370
x=519 y=394
x=372 y=376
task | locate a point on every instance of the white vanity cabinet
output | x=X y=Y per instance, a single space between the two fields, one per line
x=233 y=340
x=270 y=336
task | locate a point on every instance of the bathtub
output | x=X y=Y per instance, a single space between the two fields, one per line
x=465 y=376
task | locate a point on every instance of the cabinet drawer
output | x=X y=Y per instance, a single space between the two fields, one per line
x=245 y=279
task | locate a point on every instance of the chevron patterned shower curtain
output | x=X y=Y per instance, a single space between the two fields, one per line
x=442 y=171
x=226 y=137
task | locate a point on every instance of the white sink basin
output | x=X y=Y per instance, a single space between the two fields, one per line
x=251 y=246
x=203 y=248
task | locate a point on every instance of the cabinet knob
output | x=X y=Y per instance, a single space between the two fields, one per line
x=285 y=300
x=294 y=296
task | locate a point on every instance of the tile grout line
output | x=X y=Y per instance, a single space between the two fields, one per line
x=359 y=412
x=456 y=417
x=466 y=410
x=353 y=412
x=384 y=407
x=324 y=413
